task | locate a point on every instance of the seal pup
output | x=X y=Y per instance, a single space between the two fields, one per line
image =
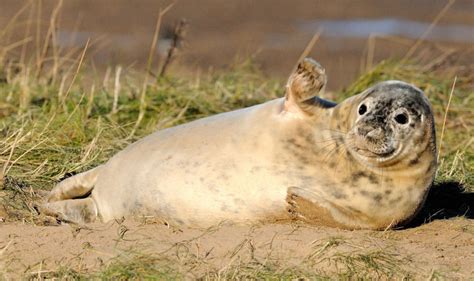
x=367 y=162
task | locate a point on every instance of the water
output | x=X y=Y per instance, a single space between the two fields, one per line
x=354 y=28
x=363 y=28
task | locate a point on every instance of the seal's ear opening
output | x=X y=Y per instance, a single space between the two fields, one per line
x=303 y=87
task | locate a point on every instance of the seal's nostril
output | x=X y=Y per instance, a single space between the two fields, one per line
x=375 y=133
x=370 y=132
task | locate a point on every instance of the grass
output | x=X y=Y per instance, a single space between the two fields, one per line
x=342 y=264
x=147 y=267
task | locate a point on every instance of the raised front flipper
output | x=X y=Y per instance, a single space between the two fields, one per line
x=304 y=86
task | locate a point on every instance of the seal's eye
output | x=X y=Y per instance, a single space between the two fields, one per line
x=401 y=118
x=362 y=109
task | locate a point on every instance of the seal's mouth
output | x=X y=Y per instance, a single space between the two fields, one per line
x=385 y=156
x=375 y=153
x=375 y=148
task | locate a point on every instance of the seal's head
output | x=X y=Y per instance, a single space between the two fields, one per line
x=393 y=121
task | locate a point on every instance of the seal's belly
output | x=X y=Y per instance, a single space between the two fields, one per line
x=195 y=189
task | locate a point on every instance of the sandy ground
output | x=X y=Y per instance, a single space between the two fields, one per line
x=443 y=247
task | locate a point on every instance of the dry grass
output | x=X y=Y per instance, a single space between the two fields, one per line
x=179 y=262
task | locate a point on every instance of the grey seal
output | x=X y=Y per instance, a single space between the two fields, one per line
x=367 y=162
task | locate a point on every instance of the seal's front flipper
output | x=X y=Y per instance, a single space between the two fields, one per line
x=78 y=211
x=299 y=207
x=75 y=187
x=304 y=206
x=304 y=86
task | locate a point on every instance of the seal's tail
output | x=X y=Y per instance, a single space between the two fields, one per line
x=69 y=201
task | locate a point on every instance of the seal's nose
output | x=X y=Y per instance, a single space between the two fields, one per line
x=375 y=133
x=370 y=132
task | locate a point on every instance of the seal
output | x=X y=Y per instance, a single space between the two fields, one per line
x=365 y=163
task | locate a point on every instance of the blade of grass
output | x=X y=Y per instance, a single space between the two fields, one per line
x=156 y=33
x=445 y=117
